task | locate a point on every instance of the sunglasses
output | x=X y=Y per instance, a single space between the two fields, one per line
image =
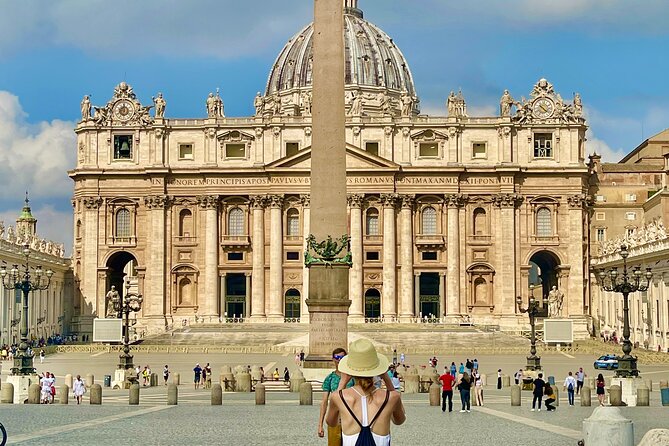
x=338 y=357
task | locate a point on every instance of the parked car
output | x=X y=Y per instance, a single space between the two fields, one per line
x=608 y=362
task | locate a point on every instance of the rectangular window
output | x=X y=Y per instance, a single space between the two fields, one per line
x=479 y=150
x=600 y=198
x=630 y=216
x=372 y=256
x=630 y=197
x=292 y=148
x=600 y=216
x=630 y=232
x=122 y=147
x=235 y=256
x=235 y=150
x=601 y=234
x=185 y=151
x=429 y=149
x=372 y=147
x=543 y=145
x=429 y=255
x=293 y=255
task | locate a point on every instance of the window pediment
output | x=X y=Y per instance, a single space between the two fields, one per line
x=235 y=136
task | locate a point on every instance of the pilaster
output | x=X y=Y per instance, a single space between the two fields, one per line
x=389 y=302
x=406 y=257
x=455 y=303
x=276 y=258
x=505 y=288
x=356 y=272
x=209 y=307
x=89 y=287
x=258 y=203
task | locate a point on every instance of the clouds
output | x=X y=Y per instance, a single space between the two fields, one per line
x=52 y=224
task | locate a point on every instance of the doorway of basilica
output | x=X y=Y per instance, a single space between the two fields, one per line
x=121 y=267
x=543 y=274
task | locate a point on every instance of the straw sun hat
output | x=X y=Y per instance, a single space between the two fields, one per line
x=363 y=360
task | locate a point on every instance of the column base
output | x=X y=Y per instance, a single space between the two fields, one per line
x=275 y=318
x=406 y=318
x=257 y=319
x=356 y=319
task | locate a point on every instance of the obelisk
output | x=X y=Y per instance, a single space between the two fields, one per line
x=328 y=300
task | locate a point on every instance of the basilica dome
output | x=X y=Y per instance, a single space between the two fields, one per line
x=373 y=62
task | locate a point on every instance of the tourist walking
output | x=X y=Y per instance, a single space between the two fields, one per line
x=465 y=386
x=166 y=373
x=297 y=359
x=454 y=369
x=207 y=381
x=286 y=375
x=580 y=378
x=301 y=364
x=79 y=388
x=570 y=387
x=550 y=397
x=499 y=379
x=197 y=371
x=478 y=387
x=469 y=366
x=204 y=377
x=600 y=384
x=538 y=392
x=42 y=355
x=146 y=375
x=462 y=369
x=518 y=377
x=275 y=374
x=402 y=358
x=447 y=382
x=475 y=364
x=330 y=385
x=365 y=412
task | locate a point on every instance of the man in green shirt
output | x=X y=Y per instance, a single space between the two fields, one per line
x=330 y=384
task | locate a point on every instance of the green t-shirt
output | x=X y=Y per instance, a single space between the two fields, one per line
x=331 y=382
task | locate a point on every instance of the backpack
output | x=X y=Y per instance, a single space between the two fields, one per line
x=365 y=438
x=570 y=387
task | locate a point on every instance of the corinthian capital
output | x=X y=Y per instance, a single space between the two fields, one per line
x=388 y=200
x=258 y=201
x=456 y=200
x=208 y=201
x=157 y=201
x=305 y=200
x=507 y=200
x=407 y=201
x=580 y=201
x=355 y=200
x=275 y=201
x=92 y=202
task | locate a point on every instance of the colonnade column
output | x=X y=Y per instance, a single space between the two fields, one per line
x=210 y=301
x=356 y=273
x=406 y=257
x=453 y=304
x=389 y=302
x=258 y=246
x=276 y=259
x=306 y=230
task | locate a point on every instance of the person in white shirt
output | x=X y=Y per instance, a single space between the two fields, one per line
x=570 y=386
x=79 y=388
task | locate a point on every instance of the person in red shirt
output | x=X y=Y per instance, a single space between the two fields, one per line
x=447 y=381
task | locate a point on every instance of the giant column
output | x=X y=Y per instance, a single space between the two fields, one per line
x=276 y=259
x=90 y=306
x=208 y=305
x=154 y=303
x=406 y=258
x=506 y=255
x=453 y=308
x=258 y=247
x=356 y=276
x=573 y=298
x=389 y=302
x=328 y=284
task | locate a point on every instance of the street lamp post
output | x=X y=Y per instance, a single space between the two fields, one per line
x=532 y=310
x=14 y=279
x=129 y=303
x=629 y=282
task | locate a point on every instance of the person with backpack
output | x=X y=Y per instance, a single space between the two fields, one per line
x=600 y=384
x=465 y=387
x=570 y=387
x=365 y=412
x=538 y=391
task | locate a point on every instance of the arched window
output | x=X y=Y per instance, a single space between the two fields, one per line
x=544 y=226
x=372 y=303
x=480 y=223
x=429 y=221
x=293 y=222
x=372 y=223
x=185 y=223
x=123 y=223
x=292 y=304
x=236 y=222
x=78 y=228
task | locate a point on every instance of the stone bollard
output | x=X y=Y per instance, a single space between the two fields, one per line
x=69 y=380
x=96 y=394
x=243 y=382
x=586 y=396
x=649 y=384
x=153 y=380
x=260 y=395
x=63 y=394
x=642 y=395
x=484 y=379
x=411 y=384
x=655 y=437
x=216 y=395
x=172 y=395
x=606 y=424
x=306 y=395
x=7 y=394
x=615 y=395
x=90 y=380
x=557 y=396
x=506 y=381
x=34 y=393
x=296 y=380
x=435 y=395
x=176 y=379
x=133 y=395
x=472 y=397
x=515 y=395
x=592 y=381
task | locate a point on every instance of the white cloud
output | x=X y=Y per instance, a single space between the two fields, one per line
x=52 y=224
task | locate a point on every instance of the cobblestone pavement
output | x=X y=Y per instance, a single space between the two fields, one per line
x=283 y=422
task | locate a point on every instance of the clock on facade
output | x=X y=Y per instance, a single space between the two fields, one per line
x=543 y=108
x=123 y=110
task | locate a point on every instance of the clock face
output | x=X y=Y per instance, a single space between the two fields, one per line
x=123 y=110
x=543 y=108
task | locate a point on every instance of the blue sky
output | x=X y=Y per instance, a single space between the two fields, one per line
x=614 y=52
